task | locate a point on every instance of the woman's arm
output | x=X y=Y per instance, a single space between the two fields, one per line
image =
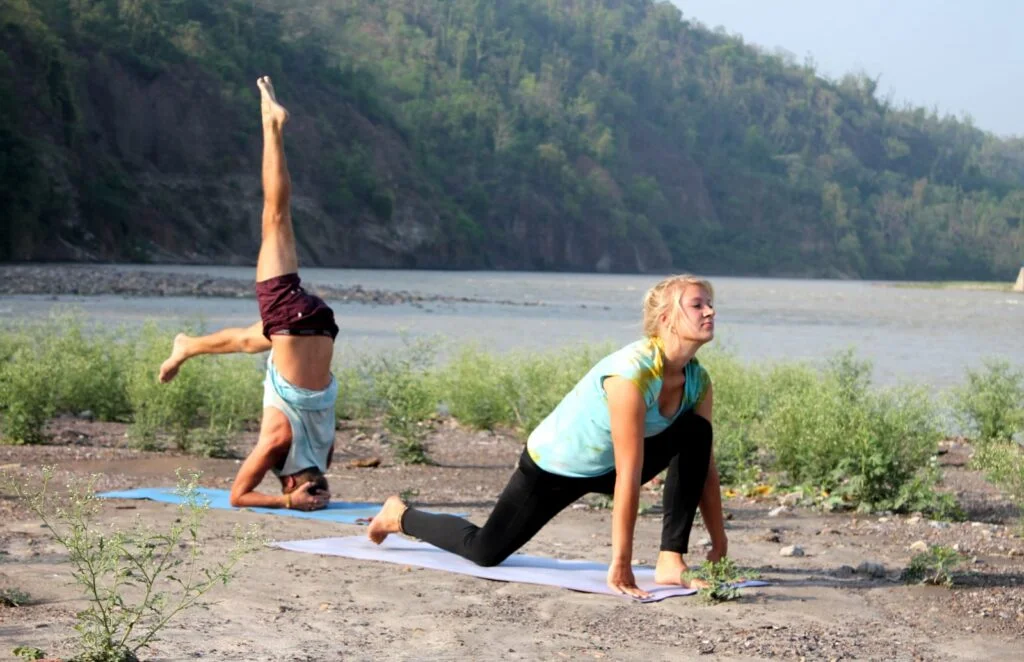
x=711 y=497
x=626 y=409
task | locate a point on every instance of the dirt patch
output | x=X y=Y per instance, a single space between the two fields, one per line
x=288 y=606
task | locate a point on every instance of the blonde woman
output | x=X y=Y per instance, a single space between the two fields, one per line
x=640 y=410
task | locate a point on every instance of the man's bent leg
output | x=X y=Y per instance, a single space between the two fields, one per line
x=249 y=340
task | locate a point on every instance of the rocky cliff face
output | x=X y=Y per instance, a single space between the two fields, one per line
x=165 y=167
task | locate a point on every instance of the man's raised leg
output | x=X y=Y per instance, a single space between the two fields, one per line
x=302 y=359
x=277 y=250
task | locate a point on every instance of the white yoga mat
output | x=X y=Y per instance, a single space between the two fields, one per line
x=575 y=575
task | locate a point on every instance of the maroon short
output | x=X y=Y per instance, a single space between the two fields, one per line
x=287 y=309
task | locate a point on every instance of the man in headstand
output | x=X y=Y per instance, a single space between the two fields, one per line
x=296 y=439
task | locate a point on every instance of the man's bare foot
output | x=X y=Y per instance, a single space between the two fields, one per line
x=388 y=520
x=273 y=112
x=669 y=571
x=179 y=354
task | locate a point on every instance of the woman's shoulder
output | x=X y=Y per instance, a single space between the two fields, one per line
x=641 y=353
x=639 y=361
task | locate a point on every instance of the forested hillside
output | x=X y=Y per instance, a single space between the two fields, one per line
x=523 y=134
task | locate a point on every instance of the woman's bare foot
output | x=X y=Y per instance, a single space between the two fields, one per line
x=179 y=354
x=669 y=571
x=388 y=520
x=274 y=113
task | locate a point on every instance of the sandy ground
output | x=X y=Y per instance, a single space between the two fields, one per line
x=291 y=606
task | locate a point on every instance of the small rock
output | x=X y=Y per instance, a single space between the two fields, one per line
x=324 y=606
x=936 y=524
x=792 y=550
x=919 y=546
x=1014 y=552
x=883 y=520
x=827 y=531
x=775 y=512
x=871 y=569
x=704 y=542
x=959 y=547
x=913 y=520
x=86 y=415
x=772 y=536
x=364 y=462
x=844 y=571
x=791 y=499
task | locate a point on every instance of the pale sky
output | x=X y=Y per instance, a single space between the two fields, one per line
x=964 y=57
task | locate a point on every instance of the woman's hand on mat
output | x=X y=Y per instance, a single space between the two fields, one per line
x=719 y=550
x=303 y=499
x=621 y=580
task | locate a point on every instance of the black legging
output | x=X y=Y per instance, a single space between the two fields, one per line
x=533 y=496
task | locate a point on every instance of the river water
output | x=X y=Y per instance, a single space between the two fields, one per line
x=911 y=335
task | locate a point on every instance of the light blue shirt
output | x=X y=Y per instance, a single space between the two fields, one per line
x=575 y=439
x=311 y=416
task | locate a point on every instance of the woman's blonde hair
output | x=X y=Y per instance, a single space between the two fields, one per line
x=666 y=296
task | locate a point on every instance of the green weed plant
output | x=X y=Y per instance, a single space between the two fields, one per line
x=937 y=566
x=135 y=580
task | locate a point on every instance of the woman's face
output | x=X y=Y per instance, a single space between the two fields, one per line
x=696 y=319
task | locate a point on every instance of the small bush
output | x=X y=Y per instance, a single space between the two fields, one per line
x=741 y=400
x=26 y=396
x=936 y=566
x=136 y=580
x=92 y=363
x=477 y=388
x=872 y=449
x=233 y=391
x=991 y=404
x=355 y=393
x=406 y=395
x=172 y=407
x=1003 y=464
x=64 y=366
x=722 y=577
x=12 y=597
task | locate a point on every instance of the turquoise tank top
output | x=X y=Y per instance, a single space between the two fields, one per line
x=575 y=439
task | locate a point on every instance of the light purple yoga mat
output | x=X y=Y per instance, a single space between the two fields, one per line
x=575 y=575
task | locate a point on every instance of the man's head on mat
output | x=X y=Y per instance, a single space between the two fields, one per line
x=294 y=481
x=680 y=309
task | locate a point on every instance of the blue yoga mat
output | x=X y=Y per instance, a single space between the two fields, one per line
x=336 y=511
